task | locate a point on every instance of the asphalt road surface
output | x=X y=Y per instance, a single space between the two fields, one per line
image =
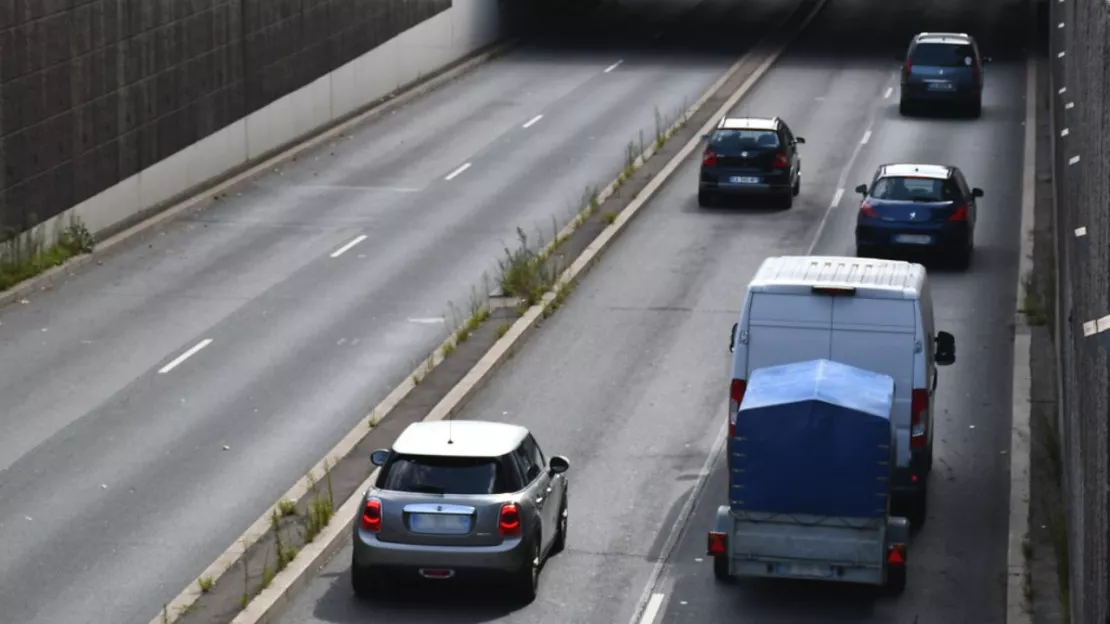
x=630 y=378
x=126 y=467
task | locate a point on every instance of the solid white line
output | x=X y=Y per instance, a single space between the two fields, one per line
x=532 y=121
x=1073 y=160
x=1064 y=132
x=652 y=610
x=866 y=137
x=889 y=90
x=456 y=172
x=342 y=250
x=348 y=187
x=184 y=356
x=836 y=198
x=428 y=321
x=1062 y=90
x=613 y=66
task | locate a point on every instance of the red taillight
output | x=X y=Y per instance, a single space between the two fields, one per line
x=865 y=210
x=919 y=407
x=896 y=556
x=782 y=161
x=976 y=71
x=372 y=516
x=735 y=398
x=508 y=524
x=718 y=543
x=709 y=159
x=907 y=67
x=959 y=215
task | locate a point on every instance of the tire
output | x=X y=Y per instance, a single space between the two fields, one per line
x=367 y=584
x=975 y=108
x=705 y=200
x=904 y=107
x=865 y=251
x=895 y=580
x=797 y=189
x=560 y=543
x=527 y=581
x=720 y=570
x=786 y=200
x=918 y=508
x=962 y=260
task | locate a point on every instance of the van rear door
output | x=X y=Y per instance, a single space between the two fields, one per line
x=880 y=335
x=785 y=328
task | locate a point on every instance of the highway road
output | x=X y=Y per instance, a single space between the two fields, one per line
x=629 y=379
x=155 y=405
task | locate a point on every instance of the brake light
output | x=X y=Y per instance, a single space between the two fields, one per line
x=865 y=210
x=372 y=516
x=907 y=67
x=975 y=70
x=919 y=406
x=782 y=161
x=709 y=159
x=508 y=524
x=959 y=215
x=718 y=544
x=735 y=398
x=896 y=556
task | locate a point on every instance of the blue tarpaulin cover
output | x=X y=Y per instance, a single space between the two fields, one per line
x=814 y=438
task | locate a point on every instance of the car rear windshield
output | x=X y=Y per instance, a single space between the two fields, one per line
x=914 y=189
x=728 y=141
x=444 y=475
x=943 y=54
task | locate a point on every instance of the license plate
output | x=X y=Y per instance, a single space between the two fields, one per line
x=913 y=239
x=941 y=86
x=744 y=180
x=812 y=571
x=439 y=523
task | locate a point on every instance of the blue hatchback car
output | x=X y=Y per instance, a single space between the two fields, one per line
x=942 y=67
x=916 y=206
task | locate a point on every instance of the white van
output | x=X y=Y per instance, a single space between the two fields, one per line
x=873 y=314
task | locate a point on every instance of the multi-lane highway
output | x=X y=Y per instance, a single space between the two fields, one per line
x=156 y=405
x=629 y=379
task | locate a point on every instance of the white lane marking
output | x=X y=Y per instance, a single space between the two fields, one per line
x=866 y=138
x=613 y=66
x=652 y=610
x=184 y=356
x=889 y=90
x=1073 y=160
x=342 y=250
x=427 y=321
x=1060 y=25
x=1064 y=132
x=1069 y=105
x=1062 y=90
x=836 y=198
x=348 y=187
x=1060 y=55
x=456 y=172
x=532 y=121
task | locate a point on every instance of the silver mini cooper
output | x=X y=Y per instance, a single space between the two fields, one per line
x=460 y=500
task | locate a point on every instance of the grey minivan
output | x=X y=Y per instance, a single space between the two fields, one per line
x=942 y=67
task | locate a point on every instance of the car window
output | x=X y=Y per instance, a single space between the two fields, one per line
x=898 y=188
x=943 y=55
x=445 y=475
x=736 y=140
x=527 y=463
x=537 y=454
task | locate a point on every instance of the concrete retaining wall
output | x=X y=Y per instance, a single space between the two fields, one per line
x=110 y=107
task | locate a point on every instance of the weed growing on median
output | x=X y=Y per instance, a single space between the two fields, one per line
x=447 y=350
x=286 y=507
x=524 y=272
x=320 y=510
x=374 y=419
x=27 y=254
x=1032 y=307
x=609 y=217
x=504 y=329
x=205 y=584
x=245 y=599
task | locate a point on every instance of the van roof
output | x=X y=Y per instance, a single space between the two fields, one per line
x=880 y=279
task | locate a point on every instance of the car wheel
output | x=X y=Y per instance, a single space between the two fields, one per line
x=528 y=578
x=367 y=584
x=904 y=107
x=975 y=108
x=797 y=185
x=963 y=258
x=918 y=508
x=720 y=569
x=561 y=536
x=786 y=200
x=705 y=199
x=895 y=580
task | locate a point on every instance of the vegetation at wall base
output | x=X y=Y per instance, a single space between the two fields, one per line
x=27 y=255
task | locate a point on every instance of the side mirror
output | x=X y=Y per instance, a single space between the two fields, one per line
x=976 y=192
x=379 y=457
x=732 y=338
x=799 y=139
x=862 y=189
x=946 y=349
x=558 y=464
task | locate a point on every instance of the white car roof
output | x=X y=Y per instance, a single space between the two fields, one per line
x=459 y=438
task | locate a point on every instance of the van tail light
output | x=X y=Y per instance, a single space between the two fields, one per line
x=865 y=210
x=959 y=215
x=717 y=544
x=919 y=413
x=907 y=67
x=709 y=159
x=782 y=161
x=896 y=555
x=372 y=516
x=508 y=523
x=735 y=398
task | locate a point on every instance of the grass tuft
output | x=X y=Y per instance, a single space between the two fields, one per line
x=524 y=272
x=25 y=255
x=205 y=584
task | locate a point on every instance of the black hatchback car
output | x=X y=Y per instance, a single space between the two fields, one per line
x=750 y=156
x=942 y=67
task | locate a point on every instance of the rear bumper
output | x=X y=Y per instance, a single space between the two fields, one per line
x=506 y=558
x=797 y=570
x=919 y=92
x=873 y=233
x=719 y=181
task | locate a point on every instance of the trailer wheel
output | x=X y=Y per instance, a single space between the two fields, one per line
x=895 y=580
x=918 y=509
x=720 y=570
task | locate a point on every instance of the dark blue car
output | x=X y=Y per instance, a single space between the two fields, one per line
x=750 y=156
x=942 y=67
x=922 y=207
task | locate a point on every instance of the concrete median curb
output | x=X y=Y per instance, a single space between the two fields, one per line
x=198 y=199
x=268 y=604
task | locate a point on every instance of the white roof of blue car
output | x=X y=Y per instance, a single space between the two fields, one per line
x=459 y=438
x=940 y=172
x=894 y=279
